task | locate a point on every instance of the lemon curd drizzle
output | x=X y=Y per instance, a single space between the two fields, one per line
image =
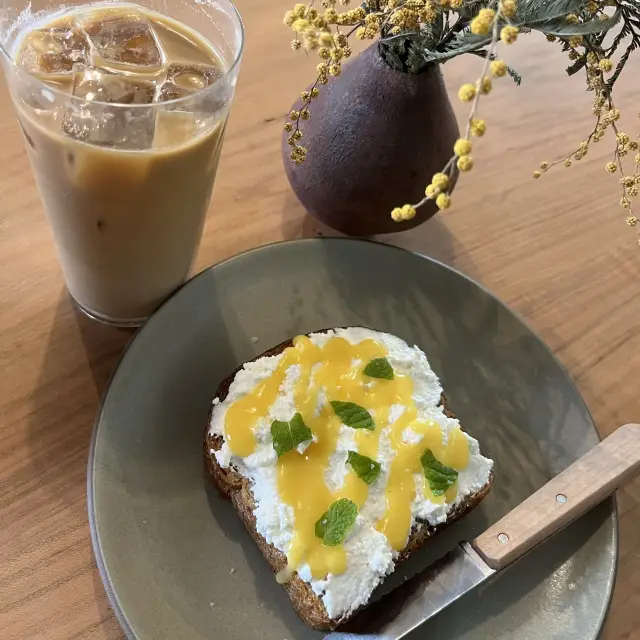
x=335 y=370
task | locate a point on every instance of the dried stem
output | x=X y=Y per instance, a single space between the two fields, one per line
x=449 y=167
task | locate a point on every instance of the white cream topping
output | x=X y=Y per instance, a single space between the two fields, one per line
x=369 y=555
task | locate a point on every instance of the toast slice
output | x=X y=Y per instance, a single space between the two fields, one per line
x=307 y=595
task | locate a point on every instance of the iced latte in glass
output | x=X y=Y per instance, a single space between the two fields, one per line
x=123 y=110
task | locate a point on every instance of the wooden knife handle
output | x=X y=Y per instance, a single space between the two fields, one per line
x=563 y=499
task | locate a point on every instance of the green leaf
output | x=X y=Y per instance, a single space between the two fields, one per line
x=353 y=415
x=440 y=477
x=379 y=368
x=578 y=65
x=334 y=524
x=514 y=75
x=365 y=468
x=413 y=59
x=393 y=59
x=563 y=29
x=404 y=51
x=625 y=31
x=287 y=435
x=530 y=11
x=432 y=32
x=633 y=45
x=464 y=42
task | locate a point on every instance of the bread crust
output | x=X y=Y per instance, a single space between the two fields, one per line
x=237 y=488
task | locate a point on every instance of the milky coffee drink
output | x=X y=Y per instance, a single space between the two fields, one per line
x=125 y=158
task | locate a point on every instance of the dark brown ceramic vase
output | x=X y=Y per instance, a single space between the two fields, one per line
x=375 y=137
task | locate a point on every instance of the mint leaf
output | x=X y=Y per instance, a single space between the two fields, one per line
x=353 y=415
x=440 y=477
x=366 y=468
x=334 y=524
x=379 y=368
x=287 y=435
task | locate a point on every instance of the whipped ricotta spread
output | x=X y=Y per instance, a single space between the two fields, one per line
x=369 y=554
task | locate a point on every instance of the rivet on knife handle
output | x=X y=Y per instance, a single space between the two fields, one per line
x=563 y=499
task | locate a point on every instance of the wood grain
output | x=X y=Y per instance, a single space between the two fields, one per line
x=566 y=497
x=556 y=249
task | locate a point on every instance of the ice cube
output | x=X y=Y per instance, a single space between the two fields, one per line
x=53 y=50
x=42 y=99
x=184 y=78
x=93 y=83
x=111 y=125
x=192 y=77
x=122 y=37
x=169 y=91
x=97 y=124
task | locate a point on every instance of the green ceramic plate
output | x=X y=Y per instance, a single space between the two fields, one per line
x=175 y=559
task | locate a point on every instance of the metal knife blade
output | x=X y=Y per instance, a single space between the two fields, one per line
x=420 y=598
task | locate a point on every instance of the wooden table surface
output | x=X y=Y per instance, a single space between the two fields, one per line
x=557 y=250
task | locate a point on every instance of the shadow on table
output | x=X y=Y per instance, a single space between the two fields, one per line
x=73 y=366
x=104 y=346
x=432 y=239
x=78 y=358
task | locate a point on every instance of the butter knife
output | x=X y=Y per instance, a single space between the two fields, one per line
x=564 y=498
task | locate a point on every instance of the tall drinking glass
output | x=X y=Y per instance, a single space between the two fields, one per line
x=123 y=109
